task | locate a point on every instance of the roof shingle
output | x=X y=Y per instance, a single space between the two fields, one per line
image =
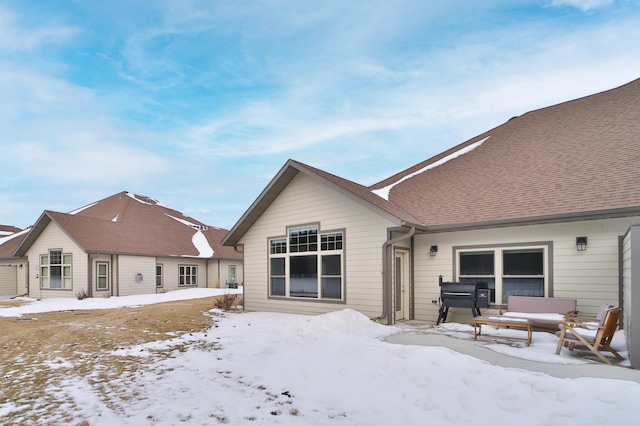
x=127 y=223
x=576 y=158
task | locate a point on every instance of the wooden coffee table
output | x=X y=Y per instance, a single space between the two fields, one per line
x=503 y=321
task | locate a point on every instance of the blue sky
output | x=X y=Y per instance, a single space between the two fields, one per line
x=200 y=103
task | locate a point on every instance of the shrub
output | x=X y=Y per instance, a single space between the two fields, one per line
x=226 y=302
x=82 y=294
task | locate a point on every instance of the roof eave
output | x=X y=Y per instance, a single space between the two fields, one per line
x=33 y=234
x=261 y=203
x=537 y=220
x=286 y=174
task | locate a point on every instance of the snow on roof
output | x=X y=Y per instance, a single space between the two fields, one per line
x=76 y=211
x=384 y=192
x=190 y=224
x=201 y=244
x=147 y=200
x=11 y=236
x=198 y=239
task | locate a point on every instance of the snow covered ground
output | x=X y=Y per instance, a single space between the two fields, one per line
x=330 y=369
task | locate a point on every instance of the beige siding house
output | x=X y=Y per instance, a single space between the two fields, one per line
x=537 y=206
x=123 y=245
x=13 y=270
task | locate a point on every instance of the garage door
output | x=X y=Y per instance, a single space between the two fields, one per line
x=8 y=280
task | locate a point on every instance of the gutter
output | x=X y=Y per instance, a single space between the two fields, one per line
x=386 y=273
x=536 y=220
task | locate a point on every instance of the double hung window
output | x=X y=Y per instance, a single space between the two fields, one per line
x=307 y=264
x=159 y=275
x=55 y=270
x=187 y=275
x=102 y=276
x=508 y=271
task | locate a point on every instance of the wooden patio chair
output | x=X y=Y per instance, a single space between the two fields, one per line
x=588 y=321
x=595 y=339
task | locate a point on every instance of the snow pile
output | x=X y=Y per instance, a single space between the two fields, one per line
x=269 y=368
x=33 y=306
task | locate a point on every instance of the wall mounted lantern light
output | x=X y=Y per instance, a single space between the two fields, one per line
x=433 y=250
x=581 y=243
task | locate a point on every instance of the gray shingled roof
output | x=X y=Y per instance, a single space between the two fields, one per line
x=126 y=223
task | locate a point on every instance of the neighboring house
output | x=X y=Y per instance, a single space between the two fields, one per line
x=508 y=207
x=13 y=270
x=125 y=244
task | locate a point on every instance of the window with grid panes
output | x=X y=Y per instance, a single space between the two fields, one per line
x=307 y=264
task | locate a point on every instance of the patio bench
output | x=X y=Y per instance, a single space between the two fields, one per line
x=545 y=312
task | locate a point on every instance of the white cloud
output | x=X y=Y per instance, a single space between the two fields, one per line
x=584 y=5
x=87 y=159
x=407 y=96
x=15 y=37
x=25 y=91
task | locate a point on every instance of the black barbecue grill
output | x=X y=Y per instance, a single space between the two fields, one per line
x=463 y=295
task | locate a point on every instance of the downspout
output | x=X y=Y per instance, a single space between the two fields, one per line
x=206 y=264
x=111 y=275
x=89 y=275
x=235 y=247
x=386 y=273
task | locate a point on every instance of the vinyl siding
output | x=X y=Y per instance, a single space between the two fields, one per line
x=171 y=275
x=591 y=276
x=222 y=273
x=103 y=258
x=53 y=237
x=128 y=268
x=631 y=292
x=307 y=201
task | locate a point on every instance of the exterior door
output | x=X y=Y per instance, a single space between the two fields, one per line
x=401 y=285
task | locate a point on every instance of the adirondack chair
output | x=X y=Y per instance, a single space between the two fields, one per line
x=594 y=338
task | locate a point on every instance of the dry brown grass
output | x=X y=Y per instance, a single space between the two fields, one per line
x=37 y=350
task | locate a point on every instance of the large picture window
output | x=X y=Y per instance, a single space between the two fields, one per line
x=55 y=270
x=508 y=271
x=307 y=264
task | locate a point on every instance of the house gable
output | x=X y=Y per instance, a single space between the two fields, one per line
x=52 y=237
x=351 y=190
x=308 y=202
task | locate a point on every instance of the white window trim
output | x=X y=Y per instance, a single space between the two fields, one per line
x=318 y=253
x=232 y=277
x=98 y=263
x=161 y=266
x=498 y=249
x=193 y=274
x=62 y=265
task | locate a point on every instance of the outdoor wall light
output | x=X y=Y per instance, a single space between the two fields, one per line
x=581 y=243
x=433 y=250
x=138 y=277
